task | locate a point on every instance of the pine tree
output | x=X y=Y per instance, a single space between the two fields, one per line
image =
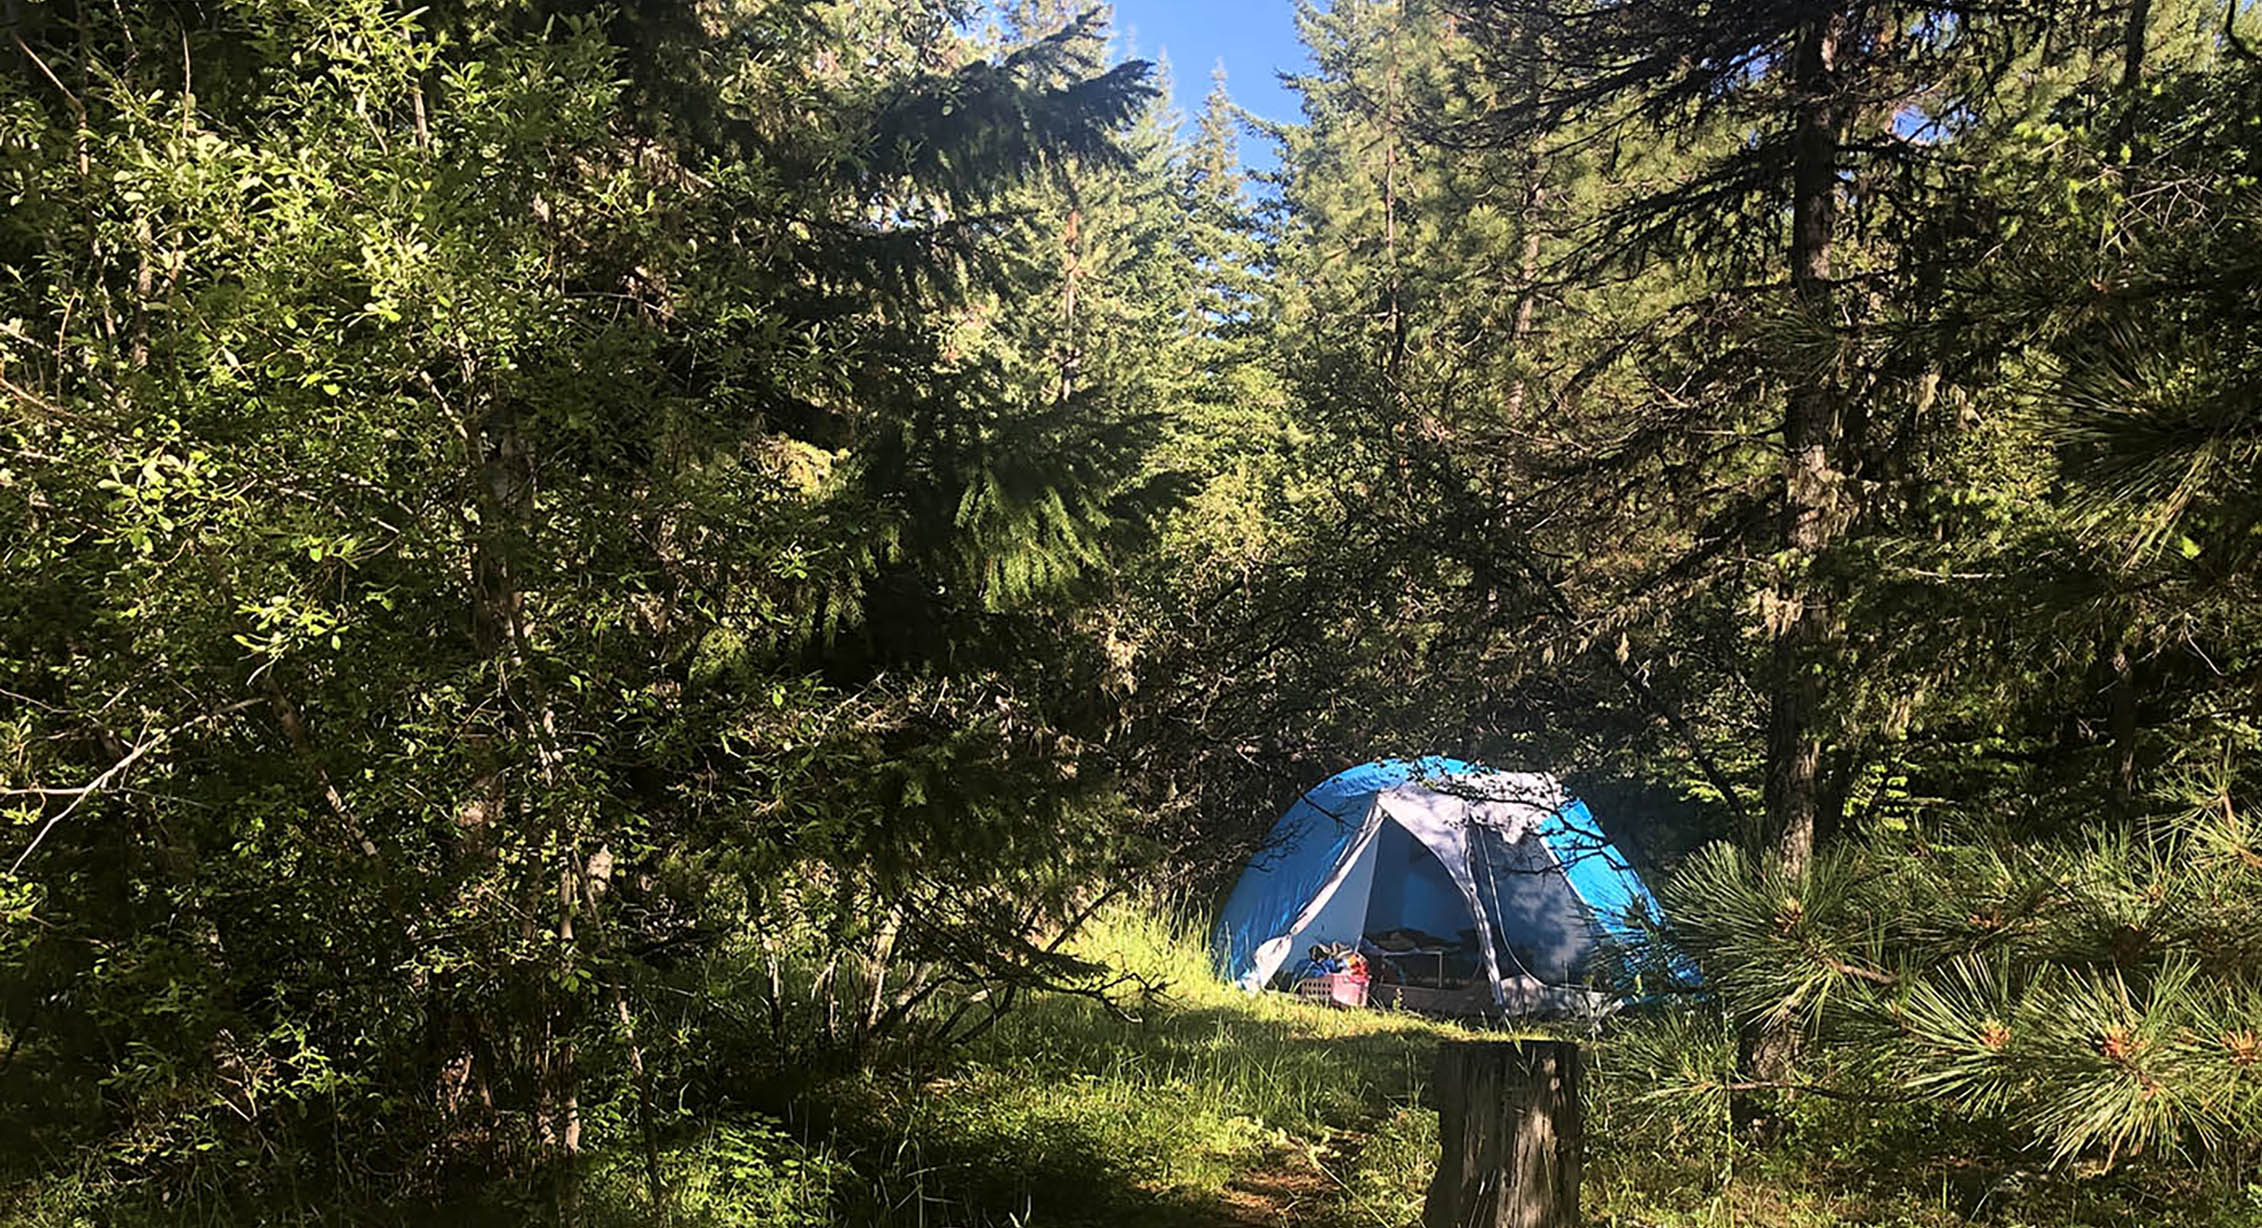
x=2034 y=935
x=1818 y=95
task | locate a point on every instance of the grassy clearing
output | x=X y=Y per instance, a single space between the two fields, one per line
x=1215 y=1108
x=1201 y=1107
x=1207 y=1108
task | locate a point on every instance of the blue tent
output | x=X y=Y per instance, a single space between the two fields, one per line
x=1502 y=878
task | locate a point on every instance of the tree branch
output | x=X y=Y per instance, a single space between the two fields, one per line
x=115 y=770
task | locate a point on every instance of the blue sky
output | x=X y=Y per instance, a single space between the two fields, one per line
x=1255 y=38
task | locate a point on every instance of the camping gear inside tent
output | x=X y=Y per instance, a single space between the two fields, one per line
x=1468 y=890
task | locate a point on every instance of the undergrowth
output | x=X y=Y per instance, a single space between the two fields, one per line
x=1201 y=1107
x=1075 y=1112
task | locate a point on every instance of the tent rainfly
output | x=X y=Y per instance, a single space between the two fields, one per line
x=1507 y=868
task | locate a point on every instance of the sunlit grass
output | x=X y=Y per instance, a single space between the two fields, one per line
x=1158 y=1105
x=1188 y=1107
x=1070 y=1113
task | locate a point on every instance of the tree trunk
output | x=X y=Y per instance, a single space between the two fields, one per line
x=2123 y=723
x=1510 y=1127
x=1527 y=291
x=1394 y=306
x=1763 y=1055
x=500 y=450
x=2132 y=71
x=1071 y=271
x=1812 y=430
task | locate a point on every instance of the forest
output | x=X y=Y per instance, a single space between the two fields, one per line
x=680 y=612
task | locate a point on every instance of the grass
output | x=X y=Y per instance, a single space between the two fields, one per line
x=1208 y=1108
x=1211 y=1107
x=1202 y=1107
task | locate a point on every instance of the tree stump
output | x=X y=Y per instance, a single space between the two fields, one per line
x=1509 y=1121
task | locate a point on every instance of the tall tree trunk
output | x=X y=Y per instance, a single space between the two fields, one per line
x=1527 y=277
x=1071 y=272
x=501 y=454
x=1812 y=431
x=1395 y=306
x=561 y=1095
x=2132 y=69
x=1802 y=620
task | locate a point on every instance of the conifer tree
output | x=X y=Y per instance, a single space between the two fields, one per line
x=501 y=544
x=1800 y=101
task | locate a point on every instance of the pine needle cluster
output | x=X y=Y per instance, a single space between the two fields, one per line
x=2103 y=1001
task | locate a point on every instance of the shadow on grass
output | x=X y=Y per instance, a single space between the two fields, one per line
x=1071 y=1115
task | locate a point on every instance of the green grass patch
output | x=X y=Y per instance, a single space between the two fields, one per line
x=1204 y=1107
x=1073 y=1113
x=1211 y=1107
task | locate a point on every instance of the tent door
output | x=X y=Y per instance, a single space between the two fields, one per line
x=1425 y=881
x=1273 y=954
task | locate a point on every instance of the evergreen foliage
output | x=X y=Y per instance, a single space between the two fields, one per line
x=518 y=577
x=570 y=571
x=1591 y=553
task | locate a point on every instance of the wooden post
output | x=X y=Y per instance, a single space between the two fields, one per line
x=1509 y=1121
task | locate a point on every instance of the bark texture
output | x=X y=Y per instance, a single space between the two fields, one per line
x=1813 y=430
x=1512 y=1135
